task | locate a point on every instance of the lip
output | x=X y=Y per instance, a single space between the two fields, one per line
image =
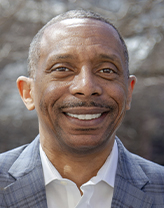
x=85 y=110
x=87 y=124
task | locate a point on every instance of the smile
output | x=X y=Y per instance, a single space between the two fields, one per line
x=84 y=116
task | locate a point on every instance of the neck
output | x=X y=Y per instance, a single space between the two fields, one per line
x=77 y=168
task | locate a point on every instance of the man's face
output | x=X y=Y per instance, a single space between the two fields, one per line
x=81 y=89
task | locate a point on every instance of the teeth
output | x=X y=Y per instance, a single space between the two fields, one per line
x=85 y=116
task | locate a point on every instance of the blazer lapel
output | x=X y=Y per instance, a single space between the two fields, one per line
x=27 y=190
x=128 y=196
x=129 y=181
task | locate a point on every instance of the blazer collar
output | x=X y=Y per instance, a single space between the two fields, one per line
x=129 y=181
x=27 y=160
x=28 y=188
x=129 y=168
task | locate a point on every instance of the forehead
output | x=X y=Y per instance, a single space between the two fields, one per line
x=81 y=34
x=77 y=28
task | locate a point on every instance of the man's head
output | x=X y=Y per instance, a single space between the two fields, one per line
x=79 y=86
x=34 y=51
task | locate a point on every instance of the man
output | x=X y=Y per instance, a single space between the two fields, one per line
x=80 y=86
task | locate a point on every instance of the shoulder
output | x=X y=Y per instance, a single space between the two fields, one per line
x=20 y=156
x=7 y=160
x=154 y=171
x=9 y=157
x=136 y=168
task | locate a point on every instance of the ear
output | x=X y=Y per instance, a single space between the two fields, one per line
x=25 y=87
x=131 y=83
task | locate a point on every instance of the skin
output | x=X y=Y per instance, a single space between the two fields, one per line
x=79 y=73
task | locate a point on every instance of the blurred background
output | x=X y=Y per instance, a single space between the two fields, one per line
x=141 y=23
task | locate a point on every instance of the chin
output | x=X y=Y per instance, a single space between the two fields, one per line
x=88 y=145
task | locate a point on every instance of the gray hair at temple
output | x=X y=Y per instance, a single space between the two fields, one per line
x=34 y=50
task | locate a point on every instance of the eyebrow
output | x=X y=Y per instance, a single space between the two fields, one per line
x=109 y=57
x=62 y=57
x=101 y=56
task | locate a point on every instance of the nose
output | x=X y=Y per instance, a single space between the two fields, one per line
x=85 y=84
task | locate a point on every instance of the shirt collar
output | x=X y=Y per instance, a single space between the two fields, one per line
x=50 y=172
x=106 y=173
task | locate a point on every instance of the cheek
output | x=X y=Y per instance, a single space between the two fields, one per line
x=49 y=95
x=119 y=95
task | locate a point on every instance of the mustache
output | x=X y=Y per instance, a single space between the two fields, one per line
x=86 y=104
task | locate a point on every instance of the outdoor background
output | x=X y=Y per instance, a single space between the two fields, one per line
x=141 y=22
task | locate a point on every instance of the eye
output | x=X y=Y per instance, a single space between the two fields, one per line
x=61 y=69
x=60 y=72
x=107 y=70
x=109 y=73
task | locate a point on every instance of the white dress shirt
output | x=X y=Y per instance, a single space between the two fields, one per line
x=97 y=192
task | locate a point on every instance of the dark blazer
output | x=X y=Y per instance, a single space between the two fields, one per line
x=139 y=183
